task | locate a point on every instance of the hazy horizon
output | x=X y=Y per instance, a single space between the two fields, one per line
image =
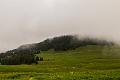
x=30 y=21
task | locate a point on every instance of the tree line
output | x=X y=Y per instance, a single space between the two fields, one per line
x=68 y=42
x=61 y=43
x=19 y=57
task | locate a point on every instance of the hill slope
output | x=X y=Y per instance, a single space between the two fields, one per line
x=25 y=54
x=84 y=63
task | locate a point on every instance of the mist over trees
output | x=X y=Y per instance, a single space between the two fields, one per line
x=26 y=54
x=67 y=42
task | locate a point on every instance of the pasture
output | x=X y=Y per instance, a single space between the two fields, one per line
x=84 y=63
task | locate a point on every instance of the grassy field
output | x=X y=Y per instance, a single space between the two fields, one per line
x=84 y=63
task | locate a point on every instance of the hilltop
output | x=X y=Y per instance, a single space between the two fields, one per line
x=26 y=54
x=63 y=43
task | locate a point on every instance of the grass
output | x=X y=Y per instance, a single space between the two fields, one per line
x=84 y=63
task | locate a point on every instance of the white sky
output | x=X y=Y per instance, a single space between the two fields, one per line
x=29 y=21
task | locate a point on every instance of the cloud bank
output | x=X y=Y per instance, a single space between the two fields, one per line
x=28 y=21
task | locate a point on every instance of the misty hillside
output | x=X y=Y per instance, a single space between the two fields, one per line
x=26 y=54
x=92 y=62
x=62 y=43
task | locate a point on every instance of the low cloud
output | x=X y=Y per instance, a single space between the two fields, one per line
x=29 y=21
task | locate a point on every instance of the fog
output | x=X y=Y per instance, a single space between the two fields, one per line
x=30 y=21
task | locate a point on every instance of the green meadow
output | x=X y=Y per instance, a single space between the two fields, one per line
x=84 y=63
